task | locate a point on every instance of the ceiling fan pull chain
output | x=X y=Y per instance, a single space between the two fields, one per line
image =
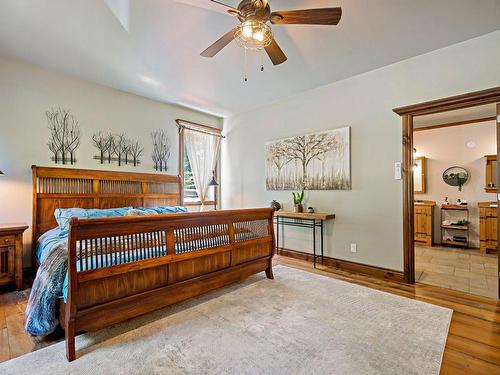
x=261 y=60
x=246 y=80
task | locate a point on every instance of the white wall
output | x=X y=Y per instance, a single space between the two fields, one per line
x=26 y=92
x=448 y=147
x=371 y=213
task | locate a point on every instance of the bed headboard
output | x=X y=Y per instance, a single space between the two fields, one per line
x=68 y=187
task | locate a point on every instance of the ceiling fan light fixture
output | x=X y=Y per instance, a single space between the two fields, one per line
x=254 y=34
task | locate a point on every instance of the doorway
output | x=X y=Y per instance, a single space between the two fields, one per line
x=454 y=201
x=411 y=115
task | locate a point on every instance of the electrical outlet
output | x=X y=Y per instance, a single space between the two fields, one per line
x=354 y=248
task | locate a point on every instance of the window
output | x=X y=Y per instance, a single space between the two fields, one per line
x=198 y=159
x=190 y=193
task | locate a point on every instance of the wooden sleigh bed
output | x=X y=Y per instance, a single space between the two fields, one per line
x=164 y=259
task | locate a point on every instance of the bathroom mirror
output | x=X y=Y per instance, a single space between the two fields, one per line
x=456 y=176
x=419 y=182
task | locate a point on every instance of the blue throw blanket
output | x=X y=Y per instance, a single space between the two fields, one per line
x=41 y=312
x=52 y=252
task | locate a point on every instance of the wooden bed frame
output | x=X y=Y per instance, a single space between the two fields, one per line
x=163 y=259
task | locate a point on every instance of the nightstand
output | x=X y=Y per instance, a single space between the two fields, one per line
x=11 y=254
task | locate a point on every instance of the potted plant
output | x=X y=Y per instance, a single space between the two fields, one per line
x=298 y=198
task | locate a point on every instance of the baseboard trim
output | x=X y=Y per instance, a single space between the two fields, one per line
x=346 y=265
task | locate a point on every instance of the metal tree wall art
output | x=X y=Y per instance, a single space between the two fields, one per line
x=64 y=136
x=121 y=147
x=319 y=161
x=135 y=151
x=117 y=148
x=100 y=141
x=161 y=150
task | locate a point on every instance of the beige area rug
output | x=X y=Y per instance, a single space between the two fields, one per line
x=299 y=323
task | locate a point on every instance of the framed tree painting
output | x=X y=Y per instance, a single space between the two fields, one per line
x=317 y=161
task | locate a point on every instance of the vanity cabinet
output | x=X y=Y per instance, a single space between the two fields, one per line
x=424 y=222
x=488 y=232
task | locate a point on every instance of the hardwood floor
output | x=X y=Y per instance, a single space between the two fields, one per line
x=14 y=341
x=473 y=345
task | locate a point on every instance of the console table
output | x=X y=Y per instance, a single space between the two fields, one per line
x=304 y=220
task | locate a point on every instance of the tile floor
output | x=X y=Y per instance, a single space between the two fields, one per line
x=464 y=270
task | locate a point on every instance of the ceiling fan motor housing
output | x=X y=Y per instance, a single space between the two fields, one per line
x=247 y=8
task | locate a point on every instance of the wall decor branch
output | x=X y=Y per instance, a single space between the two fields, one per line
x=117 y=148
x=161 y=150
x=64 y=136
x=120 y=147
x=136 y=151
x=110 y=140
x=99 y=141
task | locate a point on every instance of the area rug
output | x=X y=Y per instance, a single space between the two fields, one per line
x=298 y=323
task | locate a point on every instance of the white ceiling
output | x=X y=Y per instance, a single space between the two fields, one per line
x=158 y=57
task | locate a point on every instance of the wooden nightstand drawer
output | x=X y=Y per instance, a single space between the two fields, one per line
x=7 y=241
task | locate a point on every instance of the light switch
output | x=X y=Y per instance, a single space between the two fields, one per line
x=397 y=170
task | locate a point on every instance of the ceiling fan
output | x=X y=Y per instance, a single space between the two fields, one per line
x=254 y=33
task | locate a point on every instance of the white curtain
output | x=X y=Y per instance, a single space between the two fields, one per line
x=202 y=150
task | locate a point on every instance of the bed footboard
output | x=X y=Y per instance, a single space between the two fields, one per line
x=120 y=268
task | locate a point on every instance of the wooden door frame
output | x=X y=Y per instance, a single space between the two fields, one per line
x=498 y=196
x=408 y=113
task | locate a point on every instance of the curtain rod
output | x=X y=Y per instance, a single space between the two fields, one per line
x=199 y=128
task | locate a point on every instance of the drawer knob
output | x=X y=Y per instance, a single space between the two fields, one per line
x=7 y=240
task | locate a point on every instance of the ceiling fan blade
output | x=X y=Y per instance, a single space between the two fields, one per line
x=275 y=53
x=219 y=44
x=213 y=5
x=221 y=3
x=321 y=16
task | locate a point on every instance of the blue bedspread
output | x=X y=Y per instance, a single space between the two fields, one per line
x=51 y=281
x=46 y=243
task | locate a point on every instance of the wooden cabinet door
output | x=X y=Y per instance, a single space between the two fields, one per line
x=7 y=258
x=420 y=219
x=12 y=257
x=428 y=221
x=482 y=225
x=491 y=229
